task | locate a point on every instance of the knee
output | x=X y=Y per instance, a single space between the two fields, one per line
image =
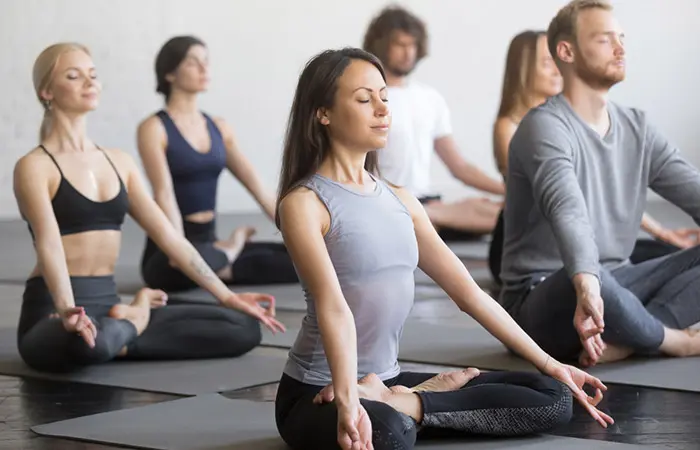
x=557 y=411
x=66 y=355
x=391 y=430
x=241 y=331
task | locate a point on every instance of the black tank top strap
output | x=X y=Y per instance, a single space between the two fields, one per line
x=41 y=146
x=110 y=163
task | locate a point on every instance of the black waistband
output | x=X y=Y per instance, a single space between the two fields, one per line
x=87 y=290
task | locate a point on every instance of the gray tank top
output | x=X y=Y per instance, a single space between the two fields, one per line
x=372 y=245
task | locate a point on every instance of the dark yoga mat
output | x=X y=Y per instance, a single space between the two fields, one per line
x=214 y=422
x=447 y=345
x=191 y=377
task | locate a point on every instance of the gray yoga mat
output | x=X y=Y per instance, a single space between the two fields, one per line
x=473 y=346
x=289 y=297
x=191 y=377
x=458 y=346
x=214 y=422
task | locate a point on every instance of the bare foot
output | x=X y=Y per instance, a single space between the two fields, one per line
x=139 y=311
x=611 y=353
x=372 y=388
x=241 y=235
x=235 y=242
x=447 y=381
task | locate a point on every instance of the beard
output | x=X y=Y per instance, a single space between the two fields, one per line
x=599 y=77
x=400 y=71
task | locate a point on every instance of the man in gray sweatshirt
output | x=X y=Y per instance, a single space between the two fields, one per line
x=579 y=168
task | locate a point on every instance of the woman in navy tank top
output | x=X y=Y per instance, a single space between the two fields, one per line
x=74 y=196
x=184 y=151
x=356 y=242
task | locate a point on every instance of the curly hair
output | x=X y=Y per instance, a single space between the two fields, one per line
x=390 y=19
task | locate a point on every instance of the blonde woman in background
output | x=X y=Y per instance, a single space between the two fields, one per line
x=74 y=196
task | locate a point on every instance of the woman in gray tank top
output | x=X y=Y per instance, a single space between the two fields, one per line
x=356 y=242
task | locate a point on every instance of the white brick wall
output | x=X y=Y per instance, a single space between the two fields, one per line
x=258 y=47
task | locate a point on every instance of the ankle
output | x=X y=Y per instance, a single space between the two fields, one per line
x=679 y=343
x=408 y=403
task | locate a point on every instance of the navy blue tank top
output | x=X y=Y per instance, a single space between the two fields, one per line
x=76 y=213
x=195 y=175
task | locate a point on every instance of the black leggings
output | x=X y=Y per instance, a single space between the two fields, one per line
x=494 y=403
x=173 y=332
x=258 y=263
x=644 y=250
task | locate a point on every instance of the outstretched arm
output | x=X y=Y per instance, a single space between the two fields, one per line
x=31 y=189
x=304 y=220
x=152 y=141
x=464 y=171
x=245 y=172
x=441 y=264
x=152 y=219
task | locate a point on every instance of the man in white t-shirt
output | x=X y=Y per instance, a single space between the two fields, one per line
x=421 y=125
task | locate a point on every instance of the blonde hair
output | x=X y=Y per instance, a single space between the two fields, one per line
x=563 y=26
x=42 y=74
x=519 y=75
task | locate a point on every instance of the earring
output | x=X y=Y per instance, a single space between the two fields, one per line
x=47 y=104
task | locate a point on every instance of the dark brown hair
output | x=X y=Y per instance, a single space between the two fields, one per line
x=170 y=57
x=519 y=75
x=306 y=142
x=390 y=19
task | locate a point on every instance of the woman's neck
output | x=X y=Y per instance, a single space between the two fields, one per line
x=68 y=133
x=344 y=166
x=182 y=104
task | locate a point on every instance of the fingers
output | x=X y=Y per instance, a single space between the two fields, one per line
x=598 y=318
x=595 y=382
x=588 y=345
x=592 y=410
x=587 y=330
x=273 y=324
x=86 y=329
x=583 y=398
x=271 y=308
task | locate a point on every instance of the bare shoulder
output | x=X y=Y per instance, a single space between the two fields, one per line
x=151 y=125
x=504 y=126
x=35 y=163
x=299 y=200
x=302 y=206
x=123 y=160
x=224 y=127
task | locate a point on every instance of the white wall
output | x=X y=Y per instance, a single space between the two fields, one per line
x=258 y=47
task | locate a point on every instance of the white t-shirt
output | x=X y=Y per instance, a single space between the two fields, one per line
x=419 y=116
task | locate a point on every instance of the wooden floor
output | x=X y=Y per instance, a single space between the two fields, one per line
x=643 y=416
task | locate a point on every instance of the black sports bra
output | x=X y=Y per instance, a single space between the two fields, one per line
x=76 y=213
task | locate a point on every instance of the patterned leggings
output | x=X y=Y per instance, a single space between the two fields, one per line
x=493 y=403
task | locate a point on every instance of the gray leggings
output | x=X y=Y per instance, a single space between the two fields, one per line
x=639 y=301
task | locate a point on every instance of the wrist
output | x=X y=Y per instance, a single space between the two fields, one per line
x=586 y=284
x=346 y=398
